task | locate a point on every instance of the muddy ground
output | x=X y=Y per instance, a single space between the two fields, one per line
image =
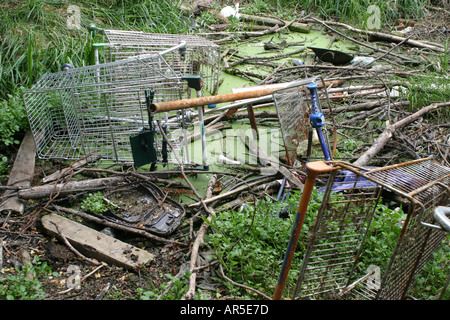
x=24 y=235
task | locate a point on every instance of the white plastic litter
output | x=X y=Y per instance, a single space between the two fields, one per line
x=394 y=93
x=222 y=159
x=297 y=62
x=403 y=32
x=229 y=11
x=362 y=60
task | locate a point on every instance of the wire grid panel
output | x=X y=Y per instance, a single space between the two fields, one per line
x=95 y=109
x=293 y=105
x=53 y=122
x=201 y=57
x=336 y=237
x=343 y=220
x=426 y=185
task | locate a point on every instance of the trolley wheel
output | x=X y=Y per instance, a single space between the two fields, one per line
x=66 y=66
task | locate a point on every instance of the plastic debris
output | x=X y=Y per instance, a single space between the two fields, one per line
x=222 y=159
x=362 y=60
x=229 y=11
x=297 y=62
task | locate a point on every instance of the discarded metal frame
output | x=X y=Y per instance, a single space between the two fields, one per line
x=94 y=110
x=297 y=108
x=199 y=57
x=336 y=239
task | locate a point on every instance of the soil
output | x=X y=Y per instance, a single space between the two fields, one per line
x=107 y=282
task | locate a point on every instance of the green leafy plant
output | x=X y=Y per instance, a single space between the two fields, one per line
x=95 y=203
x=14 y=119
x=22 y=287
x=13 y=124
x=430 y=284
x=251 y=243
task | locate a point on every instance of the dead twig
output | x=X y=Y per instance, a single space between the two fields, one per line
x=198 y=241
x=389 y=131
x=93 y=261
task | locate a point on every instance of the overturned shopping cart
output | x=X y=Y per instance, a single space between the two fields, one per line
x=200 y=56
x=331 y=266
x=94 y=110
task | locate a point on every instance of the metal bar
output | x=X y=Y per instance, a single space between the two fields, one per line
x=317 y=119
x=441 y=215
x=313 y=170
x=204 y=101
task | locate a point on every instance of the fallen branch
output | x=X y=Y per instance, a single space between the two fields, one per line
x=383 y=139
x=293 y=26
x=198 y=241
x=64 y=188
x=385 y=36
x=66 y=171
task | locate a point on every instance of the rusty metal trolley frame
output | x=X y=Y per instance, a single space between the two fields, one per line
x=94 y=110
x=337 y=237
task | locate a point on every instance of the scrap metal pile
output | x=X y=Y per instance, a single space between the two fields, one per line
x=324 y=119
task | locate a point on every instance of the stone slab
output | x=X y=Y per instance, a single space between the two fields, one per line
x=95 y=244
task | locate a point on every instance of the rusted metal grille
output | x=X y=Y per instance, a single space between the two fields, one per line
x=293 y=105
x=425 y=185
x=336 y=239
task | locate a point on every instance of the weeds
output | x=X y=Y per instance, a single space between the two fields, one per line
x=23 y=287
x=251 y=243
x=96 y=203
x=12 y=126
x=425 y=90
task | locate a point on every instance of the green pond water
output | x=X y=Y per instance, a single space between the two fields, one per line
x=227 y=141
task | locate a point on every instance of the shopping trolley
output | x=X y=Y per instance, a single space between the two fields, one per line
x=200 y=56
x=94 y=110
x=335 y=241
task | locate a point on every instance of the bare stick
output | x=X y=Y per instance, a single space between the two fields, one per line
x=384 y=137
x=93 y=261
x=362 y=43
x=196 y=246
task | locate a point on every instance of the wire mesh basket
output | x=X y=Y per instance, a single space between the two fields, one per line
x=94 y=110
x=331 y=267
x=200 y=57
x=294 y=106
